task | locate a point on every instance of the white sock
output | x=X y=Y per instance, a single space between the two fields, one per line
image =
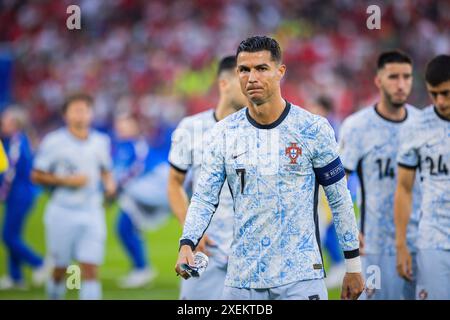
x=90 y=290
x=56 y=290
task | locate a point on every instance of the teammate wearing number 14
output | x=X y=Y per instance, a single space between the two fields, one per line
x=369 y=145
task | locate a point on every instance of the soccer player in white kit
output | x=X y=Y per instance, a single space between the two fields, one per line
x=369 y=144
x=186 y=154
x=273 y=155
x=425 y=152
x=74 y=163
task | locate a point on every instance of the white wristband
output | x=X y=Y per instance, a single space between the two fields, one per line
x=353 y=265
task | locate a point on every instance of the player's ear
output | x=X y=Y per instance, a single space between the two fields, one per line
x=377 y=81
x=222 y=83
x=281 y=70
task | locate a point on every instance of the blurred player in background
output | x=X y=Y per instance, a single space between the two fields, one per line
x=143 y=201
x=74 y=163
x=18 y=194
x=273 y=155
x=369 y=145
x=186 y=154
x=425 y=152
x=323 y=106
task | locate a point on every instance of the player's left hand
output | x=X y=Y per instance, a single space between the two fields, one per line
x=352 y=286
x=404 y=263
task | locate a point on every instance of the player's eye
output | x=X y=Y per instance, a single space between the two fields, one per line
x=444 y=94
x=243 y=69
x=393 y=76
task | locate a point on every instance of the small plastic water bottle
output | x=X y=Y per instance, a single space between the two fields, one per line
x=201 y=262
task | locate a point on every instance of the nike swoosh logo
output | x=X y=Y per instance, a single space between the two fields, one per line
x=377 y=147
x=431 y=144
x=237 y=156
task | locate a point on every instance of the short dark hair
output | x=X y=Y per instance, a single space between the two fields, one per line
x=227 y=63
x=78 y=96
x=392 y=56
x=325 y=102
x=261 y=43
x=438 y=70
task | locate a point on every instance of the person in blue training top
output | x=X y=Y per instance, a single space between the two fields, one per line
x=138 y=170
x=18 y=193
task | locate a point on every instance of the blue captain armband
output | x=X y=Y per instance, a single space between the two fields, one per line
x=331 y=173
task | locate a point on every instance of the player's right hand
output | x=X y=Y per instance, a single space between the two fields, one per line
x=204 y=243
x=404 y=263
x=185 y=256
x=361 y=244
x=352 y=286
x=75 y=181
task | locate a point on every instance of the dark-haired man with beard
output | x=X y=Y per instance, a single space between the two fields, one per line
x=369 y=146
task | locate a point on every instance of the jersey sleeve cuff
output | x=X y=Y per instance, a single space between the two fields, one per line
x=351 y=254
x=407 y=166
x=41 y=166
x=188 y=242
x=177 y=168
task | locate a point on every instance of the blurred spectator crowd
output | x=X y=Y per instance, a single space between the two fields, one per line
x=157 y=58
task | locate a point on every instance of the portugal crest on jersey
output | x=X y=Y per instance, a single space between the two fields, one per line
x=293 y=152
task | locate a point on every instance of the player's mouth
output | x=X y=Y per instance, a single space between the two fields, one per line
x=253 y=90
x=399 y=97
x=443 y=108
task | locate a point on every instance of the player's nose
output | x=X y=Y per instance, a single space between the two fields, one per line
x=252 y=77
x=401 y=86
x=440 y=100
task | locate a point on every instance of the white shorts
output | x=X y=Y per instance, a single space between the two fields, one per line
x=381 y=270
x=433 y=280
x=300 y=290
x=74 y=235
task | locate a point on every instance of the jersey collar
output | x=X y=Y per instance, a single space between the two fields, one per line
x=439 y=115
x=272 y=125
x=215 y=116
x=390 y=120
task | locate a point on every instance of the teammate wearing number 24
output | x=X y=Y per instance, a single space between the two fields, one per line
x=273 y=155
x=425 y=152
